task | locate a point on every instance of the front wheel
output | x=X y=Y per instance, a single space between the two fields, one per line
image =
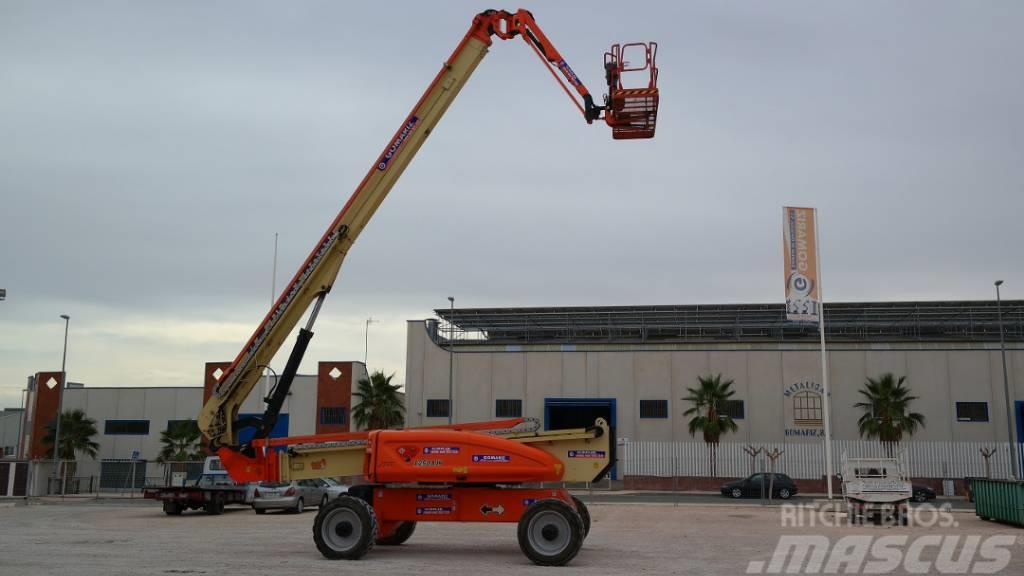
x=736 y=493
x=920 y=497
x=785 y=494
x=345 y=529
x=550 y=533
x=172 y=508
x=323 y=501
x=215 y=506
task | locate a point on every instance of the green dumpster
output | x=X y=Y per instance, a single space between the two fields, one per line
x=999 y=500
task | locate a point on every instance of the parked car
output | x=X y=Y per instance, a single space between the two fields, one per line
x=296 y=495
x=782 y=486
x=923 y=493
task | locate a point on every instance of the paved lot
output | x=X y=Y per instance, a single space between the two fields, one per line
x=113 y=538
x=625 y=497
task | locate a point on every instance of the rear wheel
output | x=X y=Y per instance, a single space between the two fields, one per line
x=300 y=506
x=584 y=513
x=784 y=493
x=400 y=535
x=323 y=501
x=920 y=497
x=736 y=493
x=260 y=510
x=172 y=508
x=550 y=533
x=345 y=529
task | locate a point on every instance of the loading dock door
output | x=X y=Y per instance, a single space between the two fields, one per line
x=560 y=413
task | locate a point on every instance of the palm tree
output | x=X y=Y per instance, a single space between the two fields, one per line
x=709 y=413
x=180 y=443
x=887 y=415
x=380 y=405
x=76 y=437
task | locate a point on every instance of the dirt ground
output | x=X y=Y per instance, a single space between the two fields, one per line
x=112 y=538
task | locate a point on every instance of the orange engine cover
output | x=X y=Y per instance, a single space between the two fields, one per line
x=446 y=456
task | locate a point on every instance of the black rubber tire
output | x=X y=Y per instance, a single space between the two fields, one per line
x=215 y=506
x=399 y=536
x=349 y=508
x=300 y=506
x=172 y=508
x=584 y=513
x=324 y=501
x=920 y=497
x=736 y=493
x=785 y=494
x=544 y=517
x=260 y=510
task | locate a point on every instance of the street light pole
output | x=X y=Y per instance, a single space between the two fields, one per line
x=366 y=338
x=1006 y=386
x=60 y=399
x=451 y=360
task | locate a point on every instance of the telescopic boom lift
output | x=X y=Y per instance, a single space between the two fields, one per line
x=466 y=472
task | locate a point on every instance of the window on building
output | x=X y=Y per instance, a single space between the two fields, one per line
x=508 y=408
x=735 y=409
x=972 y=411
x=8 y=450
x=654 y=408
x=333 y=416
x=126 y=427
x=437 y=408
x=807 y=409
x=172 y=424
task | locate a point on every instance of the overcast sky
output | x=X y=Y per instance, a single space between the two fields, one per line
x=149 y=152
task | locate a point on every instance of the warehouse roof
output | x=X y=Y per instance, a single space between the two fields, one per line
x=949 y=321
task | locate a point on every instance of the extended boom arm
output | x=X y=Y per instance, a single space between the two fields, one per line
x=218 y=418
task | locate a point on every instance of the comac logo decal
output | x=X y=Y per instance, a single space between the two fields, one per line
x=426 y=463
x=399 y=140
x=501 y=458
x=586 y=454
x=441 y=450
x=433 y=497
x=575 y=81
x=433 y=511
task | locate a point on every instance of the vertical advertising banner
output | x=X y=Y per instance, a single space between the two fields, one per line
x=801 y=259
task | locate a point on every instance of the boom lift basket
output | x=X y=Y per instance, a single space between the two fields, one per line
x=631 y=112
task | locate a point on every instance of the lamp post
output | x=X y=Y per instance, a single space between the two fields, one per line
x=451 y=360
x=1006 y=386
x=60 y=399
x=366 y=337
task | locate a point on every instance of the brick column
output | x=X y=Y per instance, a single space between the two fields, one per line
x=333 y=390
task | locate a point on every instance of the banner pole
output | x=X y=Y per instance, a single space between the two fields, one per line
x=827 y=404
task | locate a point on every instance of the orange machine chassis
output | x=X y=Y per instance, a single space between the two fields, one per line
x=456 y=504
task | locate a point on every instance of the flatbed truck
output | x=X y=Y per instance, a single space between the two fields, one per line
x=211 y=492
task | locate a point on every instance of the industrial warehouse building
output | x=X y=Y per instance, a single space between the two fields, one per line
x=633 y=366
x=130 y=420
